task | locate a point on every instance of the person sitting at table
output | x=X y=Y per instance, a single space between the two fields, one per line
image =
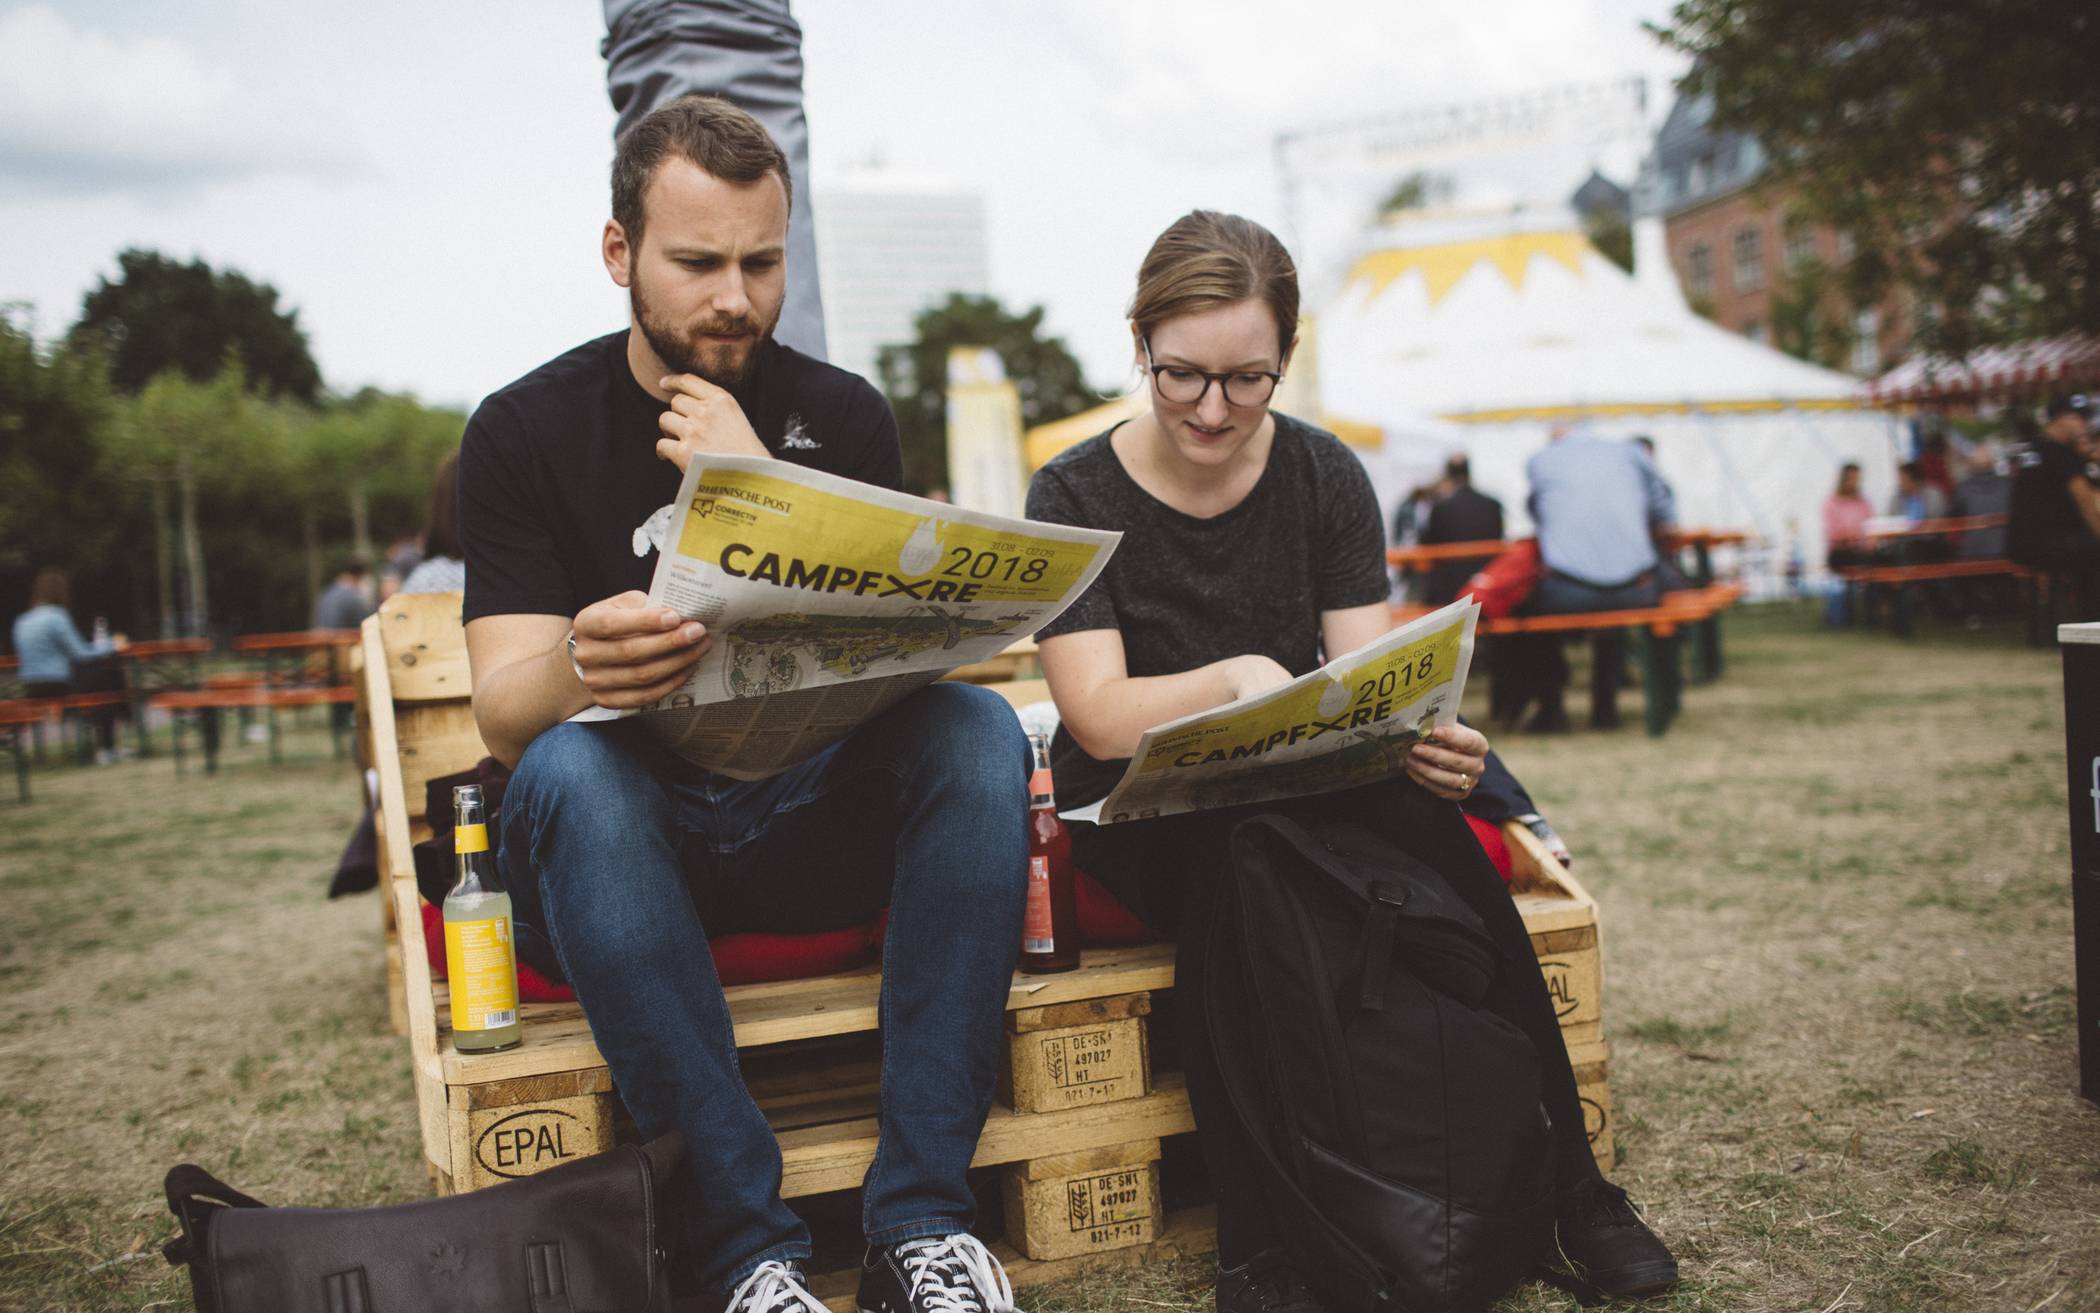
x=1185 y=617
x=2054 y=523
x=1845 y=516
x=57 y=661
x=1462 y=515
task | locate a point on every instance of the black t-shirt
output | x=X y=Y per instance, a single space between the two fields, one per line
x=1186 y=591
x=2042 y=518
x=558 y=472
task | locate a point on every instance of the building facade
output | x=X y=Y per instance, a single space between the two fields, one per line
x=889 y=247
x=1750 y=264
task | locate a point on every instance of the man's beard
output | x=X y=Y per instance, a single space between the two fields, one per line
x=681 y=354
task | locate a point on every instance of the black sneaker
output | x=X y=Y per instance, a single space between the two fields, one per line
x=775 y=1288
x=1265 y=1283
x=1605 y=1245
x=948 y=1274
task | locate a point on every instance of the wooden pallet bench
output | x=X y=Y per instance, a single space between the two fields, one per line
x=1086 y=1097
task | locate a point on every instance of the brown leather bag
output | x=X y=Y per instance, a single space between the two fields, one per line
x=584 y=1237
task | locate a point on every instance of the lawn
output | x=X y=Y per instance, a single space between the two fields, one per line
x=1837 y=943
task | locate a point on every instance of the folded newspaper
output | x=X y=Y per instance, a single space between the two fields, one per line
x=830 y=601
x=1350 y=722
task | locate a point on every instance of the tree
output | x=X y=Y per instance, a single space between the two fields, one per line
x=160 y=315
x=1418 y=191
x=1957 y=142
x=915 y=377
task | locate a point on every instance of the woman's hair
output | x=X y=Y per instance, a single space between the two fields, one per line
x=1205 y=260
x=51 y=587
x=1849 y=468
x=441 y=526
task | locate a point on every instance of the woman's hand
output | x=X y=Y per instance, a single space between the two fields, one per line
x=1251 y=674
x=1448 y=763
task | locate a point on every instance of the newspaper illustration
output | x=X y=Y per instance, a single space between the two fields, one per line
x=1348 y=723
x=829 y=601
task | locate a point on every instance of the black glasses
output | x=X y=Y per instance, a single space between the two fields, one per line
x=1182 y=385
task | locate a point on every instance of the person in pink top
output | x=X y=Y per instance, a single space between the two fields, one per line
x=1845 y=516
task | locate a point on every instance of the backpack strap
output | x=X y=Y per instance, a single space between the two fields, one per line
x=195 y=1196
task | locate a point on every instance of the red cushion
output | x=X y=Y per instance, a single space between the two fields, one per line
x=1493 y=844
x=1103 y=921
x=739 y=959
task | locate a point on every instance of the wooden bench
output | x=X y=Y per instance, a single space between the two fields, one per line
x=17 y=720
x=202 y=708
x=1662 y=675
x=1085 y=1097
x=1904 y=579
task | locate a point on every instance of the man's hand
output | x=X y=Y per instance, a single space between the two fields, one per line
x=1251 y=674
x=702 y=419
x=632 y=653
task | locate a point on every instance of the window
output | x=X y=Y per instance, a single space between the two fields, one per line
x=1800 y=243
x=1749 y=259
x=1699 y=270
x=1866 y=341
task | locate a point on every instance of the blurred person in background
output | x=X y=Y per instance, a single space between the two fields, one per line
x=2054 y=520
x=1984 y=490
x=347 y=600
x=56 y=660
x=1462 y=515
x=1845 y=516
x=1917 y=498
x=442 y=567
x=1601 y=508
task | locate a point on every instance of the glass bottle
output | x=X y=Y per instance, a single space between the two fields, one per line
x=1050 y=929
x=481 y=957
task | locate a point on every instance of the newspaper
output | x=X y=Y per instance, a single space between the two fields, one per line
x=830 y=601
x=1350 y=722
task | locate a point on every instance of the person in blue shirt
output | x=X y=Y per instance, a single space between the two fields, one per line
x=56 y=660
x=1600 y=506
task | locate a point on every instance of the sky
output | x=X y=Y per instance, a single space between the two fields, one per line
x=425 y=183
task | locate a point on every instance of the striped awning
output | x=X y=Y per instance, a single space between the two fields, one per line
x=2014 y=369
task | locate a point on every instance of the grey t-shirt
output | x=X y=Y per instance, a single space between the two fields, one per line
x=1186 y=591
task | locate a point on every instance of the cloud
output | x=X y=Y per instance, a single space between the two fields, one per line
x=81 y=112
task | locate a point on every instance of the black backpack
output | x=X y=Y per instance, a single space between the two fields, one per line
x=1362 y=1018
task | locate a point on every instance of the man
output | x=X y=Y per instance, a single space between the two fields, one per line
x=750 y=53
x=345 y=603
x=1600 y=507
x=2054 y=522
x=1463 y=516
x=622 y=858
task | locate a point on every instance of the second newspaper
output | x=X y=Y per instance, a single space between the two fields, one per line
x=1350 y=722
x=830 y=601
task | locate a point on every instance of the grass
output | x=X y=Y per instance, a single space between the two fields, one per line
x=1837 y=956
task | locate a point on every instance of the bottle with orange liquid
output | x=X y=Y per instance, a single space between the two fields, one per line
x=1050 y=930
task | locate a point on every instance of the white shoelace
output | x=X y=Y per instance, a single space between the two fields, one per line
x=958 y=1275
x=772 y=1288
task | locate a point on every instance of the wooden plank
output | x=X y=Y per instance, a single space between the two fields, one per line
x=434 y=739
x=1094 y=1062
x=835 y=1157
x=1022 y=1020
x=522 y=1128
x=392 y=819
x=556 y=1037
x=426 y=649
x=1593 y=1090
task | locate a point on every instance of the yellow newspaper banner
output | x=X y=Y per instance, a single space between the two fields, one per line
x=775 y=531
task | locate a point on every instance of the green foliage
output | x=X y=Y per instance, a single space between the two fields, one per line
x=916 y=377
x=160 y=315
x=1418 y=191
x=54 y=409
x=1957 y=141
x=1612 y=235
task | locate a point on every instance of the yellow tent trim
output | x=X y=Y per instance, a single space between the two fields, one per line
x=1442 y=267
x=1607 y=410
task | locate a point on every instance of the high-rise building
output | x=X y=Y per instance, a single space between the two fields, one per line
x=890 y=245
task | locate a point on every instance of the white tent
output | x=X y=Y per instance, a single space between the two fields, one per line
x=1507 y=325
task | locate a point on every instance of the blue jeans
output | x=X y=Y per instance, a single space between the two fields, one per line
x=622 y=859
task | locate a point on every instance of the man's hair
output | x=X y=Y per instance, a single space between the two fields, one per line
x=1205 y=260
x=51 y=587
x=715 y=135
x=1644 y=442
x=354 y=565
x=1459 y=469
x=1910 y=469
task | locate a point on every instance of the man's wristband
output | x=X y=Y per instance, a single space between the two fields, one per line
x=574 y=664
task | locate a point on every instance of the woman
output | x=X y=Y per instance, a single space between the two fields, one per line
x=443 y=568
x=56 y=660
x=1252 y=543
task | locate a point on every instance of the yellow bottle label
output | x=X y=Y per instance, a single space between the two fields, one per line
x=482 y=964
x=471 y=839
